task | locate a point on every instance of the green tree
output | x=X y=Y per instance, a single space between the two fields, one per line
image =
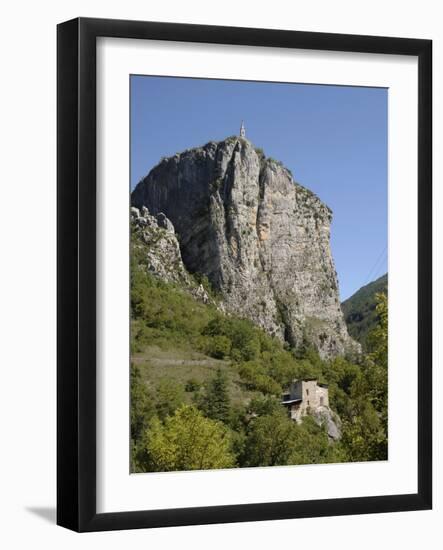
x=377 y=362
x=170 y=395
x=242 y=334
x=363 y=435
x=276 y=440
x=255 y=377
x=311 y=446
x=378 y=338
x=142 y=411
x=270 y=440
x=217 y=402
x=187 y=441
x=142 y=407
x=264 y=405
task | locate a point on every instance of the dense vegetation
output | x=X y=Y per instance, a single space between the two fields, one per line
x=209 y=397
x=360 y=309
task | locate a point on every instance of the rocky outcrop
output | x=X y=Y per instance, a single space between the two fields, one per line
x=260 y=238
x=324 y=416
x=153 y=237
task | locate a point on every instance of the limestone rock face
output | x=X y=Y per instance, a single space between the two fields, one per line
x=159 y=246
x=154 y=238
x=260 y=238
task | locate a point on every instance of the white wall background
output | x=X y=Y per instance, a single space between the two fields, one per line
x=27 y=289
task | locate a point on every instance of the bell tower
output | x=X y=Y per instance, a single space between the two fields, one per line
x=242 y=130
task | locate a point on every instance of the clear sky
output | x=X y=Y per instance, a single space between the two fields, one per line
x=332 y=138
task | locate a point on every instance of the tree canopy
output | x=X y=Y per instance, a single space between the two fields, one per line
x=228 y=412
x=187 y=441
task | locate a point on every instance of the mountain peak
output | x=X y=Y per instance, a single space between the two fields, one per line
x=261 y=239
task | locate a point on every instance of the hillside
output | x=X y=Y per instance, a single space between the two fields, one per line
x=206 y=384
x=179 y=329
x=359 y=310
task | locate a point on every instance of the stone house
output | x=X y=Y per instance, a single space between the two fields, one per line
x=305 y=397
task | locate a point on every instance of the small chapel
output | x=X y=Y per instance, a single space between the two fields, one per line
x=242 y=130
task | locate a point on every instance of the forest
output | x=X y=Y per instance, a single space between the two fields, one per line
x=206 y=388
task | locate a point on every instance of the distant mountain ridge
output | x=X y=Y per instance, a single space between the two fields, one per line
x=359 y=310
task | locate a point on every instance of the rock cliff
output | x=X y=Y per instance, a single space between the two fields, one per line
x=260 y=238
x=154 y=238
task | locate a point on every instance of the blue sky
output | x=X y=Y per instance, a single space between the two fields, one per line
x=332 y=138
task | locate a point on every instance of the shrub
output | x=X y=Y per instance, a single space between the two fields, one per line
x=192 y=385
x=218 y=346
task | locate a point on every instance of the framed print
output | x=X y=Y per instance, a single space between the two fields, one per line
x=244 y=274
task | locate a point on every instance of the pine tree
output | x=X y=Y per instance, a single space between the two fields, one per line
x=217 y=398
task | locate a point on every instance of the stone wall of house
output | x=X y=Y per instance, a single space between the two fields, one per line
x=322 y=396
x=315 y=401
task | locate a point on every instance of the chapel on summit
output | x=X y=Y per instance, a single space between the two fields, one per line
x=242 y=130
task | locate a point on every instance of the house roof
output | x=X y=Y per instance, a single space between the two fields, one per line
x=291 y=401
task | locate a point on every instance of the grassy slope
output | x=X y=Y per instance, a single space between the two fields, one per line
x=182 y=365
x=359 y=309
